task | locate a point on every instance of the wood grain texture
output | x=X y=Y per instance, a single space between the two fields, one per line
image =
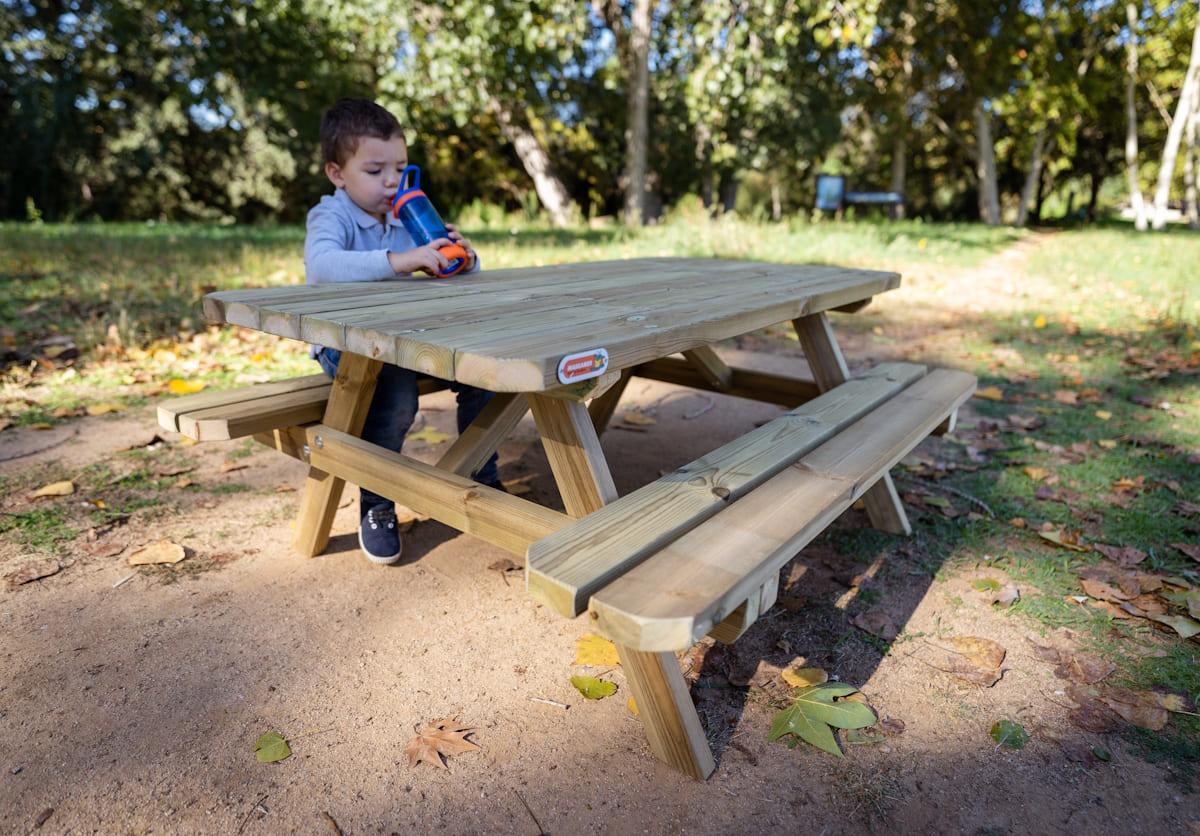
x=566 y=568
x=506 y=521
x=475 y=445
x=170 y=410
x=745 y=383
x=506 y=330
x=346 y=411
x=673 y=598
x=828 y=366
x=573 y=448
x=601 y=409
x=743 y=617
x=711 y=367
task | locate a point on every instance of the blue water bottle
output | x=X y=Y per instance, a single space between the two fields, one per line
x=414 y=210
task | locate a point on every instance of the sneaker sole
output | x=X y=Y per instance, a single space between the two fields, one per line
x=381 y=561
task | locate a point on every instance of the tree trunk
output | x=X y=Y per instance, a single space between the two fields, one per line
x=1131 y=123
x=1191 y=165
x=1097 y=180
x=1182 y=111
x=899 y=172
x=777 y=198
x=550 y=190
x=639 y=105
x=1033 y=178
x=985 y=167
x=1041 y=195
x=704 y=164
x=729 y=191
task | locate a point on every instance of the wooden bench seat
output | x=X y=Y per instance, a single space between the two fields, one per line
x=699 y=550
x=234 y=413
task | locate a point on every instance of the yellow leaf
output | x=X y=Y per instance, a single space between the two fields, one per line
x=163 y=551
x=1107 y=443
x=429 y=435
x=1063 y=538
x=803 y=677
x=104 y=408
x=1103 y=415
x=1037 y=474
x=54 y=489
x=923 y=243
x=595 y=651
x=631 y=704
x=185 y=387
x=1040 y=322
x=990 y=393
x=259 y=356
x=639 y=419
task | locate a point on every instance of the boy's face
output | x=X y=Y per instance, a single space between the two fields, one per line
x=372 y=174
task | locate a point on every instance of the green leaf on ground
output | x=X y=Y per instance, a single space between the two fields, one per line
x=816 y=711
x=593 y=688
x=1009 y=734
x=271 y=747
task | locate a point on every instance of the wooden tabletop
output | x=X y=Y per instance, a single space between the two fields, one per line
x=510 y=330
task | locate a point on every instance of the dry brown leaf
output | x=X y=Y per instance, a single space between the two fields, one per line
x=504 y=565
x=104 y=408
x=163 y=551
x=803 y=677
x=638 y=418
x=1192 y=550
x=1103 y=591
x=180 y=484
x=877 y=623
x=36 y=570
x=1084 y=667
x=1123 y=555
x=1066 y=539
x=1110 y=608
x=1187 y=509
x=229 y=465
x=64 y=488
x=174 y=471
x=1138 y=708
x=1007 y=595
x=440 y=738
x=973 y=660
x=285 y=488
x=104 y=549
x=1017 y=522
x=1066 y=396
x=1037 y=474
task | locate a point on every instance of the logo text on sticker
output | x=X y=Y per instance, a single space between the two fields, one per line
x=582 y=366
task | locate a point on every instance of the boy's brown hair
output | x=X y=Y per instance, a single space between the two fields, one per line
x=348 y=121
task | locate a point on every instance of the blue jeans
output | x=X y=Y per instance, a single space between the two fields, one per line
x=394 y=407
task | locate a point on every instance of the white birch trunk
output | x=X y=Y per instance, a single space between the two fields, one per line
x=639 y=105
x=985 y=168
x=1183 y=110
x=550 y=190
x=1191 y=165
x=1131 y=121
x=1033 y=178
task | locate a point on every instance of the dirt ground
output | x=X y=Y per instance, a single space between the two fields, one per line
x=132 y=704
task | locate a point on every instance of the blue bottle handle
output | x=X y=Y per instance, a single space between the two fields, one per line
x=416 y=183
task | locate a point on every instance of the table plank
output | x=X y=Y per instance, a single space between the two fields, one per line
x=507 y=330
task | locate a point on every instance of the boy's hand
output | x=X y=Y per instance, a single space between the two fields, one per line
x=457 y=238
x=426 y=259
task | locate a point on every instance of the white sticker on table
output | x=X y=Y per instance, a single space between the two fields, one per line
x=583 y=365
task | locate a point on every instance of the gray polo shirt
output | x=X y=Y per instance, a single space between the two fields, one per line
x=345 y=243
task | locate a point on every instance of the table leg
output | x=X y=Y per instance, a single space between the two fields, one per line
x=602 y=408
x=672 y=725
x=346 y=410
x=829 y=370
x=491 y=426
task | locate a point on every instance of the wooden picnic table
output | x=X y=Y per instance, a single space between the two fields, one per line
x=549 y=339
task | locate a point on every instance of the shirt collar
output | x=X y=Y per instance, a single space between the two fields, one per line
x=361 y=216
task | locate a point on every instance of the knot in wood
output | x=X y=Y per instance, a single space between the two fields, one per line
x=721 y=492
x=697 y=481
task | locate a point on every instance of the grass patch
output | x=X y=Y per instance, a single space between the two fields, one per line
x=40 y=528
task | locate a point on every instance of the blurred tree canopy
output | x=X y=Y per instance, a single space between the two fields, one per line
x=208 y=109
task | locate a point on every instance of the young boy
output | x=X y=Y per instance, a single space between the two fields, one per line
x=352 y=237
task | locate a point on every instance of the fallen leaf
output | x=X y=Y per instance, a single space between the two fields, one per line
x=1037 y=474
x=973 y=659
x=1039 y=321
x=631 y=704
x=1103 y=414
x=36 y=570
x=271 y=748
x=285 y=488
x=876 y=623
x=1008 y=734
x=97 y=409
x=596 y=652
x=1186 y=509
x=504 y=565
x=1107 y=443
x=1104 y=591
x=803 y=677
x=1084 y=667
x=855 y=737
x=816 y=711
x=986 y=584
x=1077 y=751
x=1066 y=396
x=185 y=387
x=1193 y=603
x=441 y=738
x=1138 y=708
x=638 y=418
x=65 y=488
x=177 y=470
x=1063 y=538
x=163 y=551
x=593 y=688
x=1124 y=555
x=229 y=465
x=1006 y=596
x=1190 y=549
x=519 y=486
x=990 y=393
x=104 y=549
x=429 y=435
x=892 y=726
x=180 y=484
x=1017 y=522
x=1181 y=624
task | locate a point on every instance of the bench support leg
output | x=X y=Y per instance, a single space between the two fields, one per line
x=346 y=410
x=829 y=369
x=712 y=367
x=477 y=442
x=601 y=409
x=664 y=704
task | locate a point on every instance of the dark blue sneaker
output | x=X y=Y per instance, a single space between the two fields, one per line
x=378 y=534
